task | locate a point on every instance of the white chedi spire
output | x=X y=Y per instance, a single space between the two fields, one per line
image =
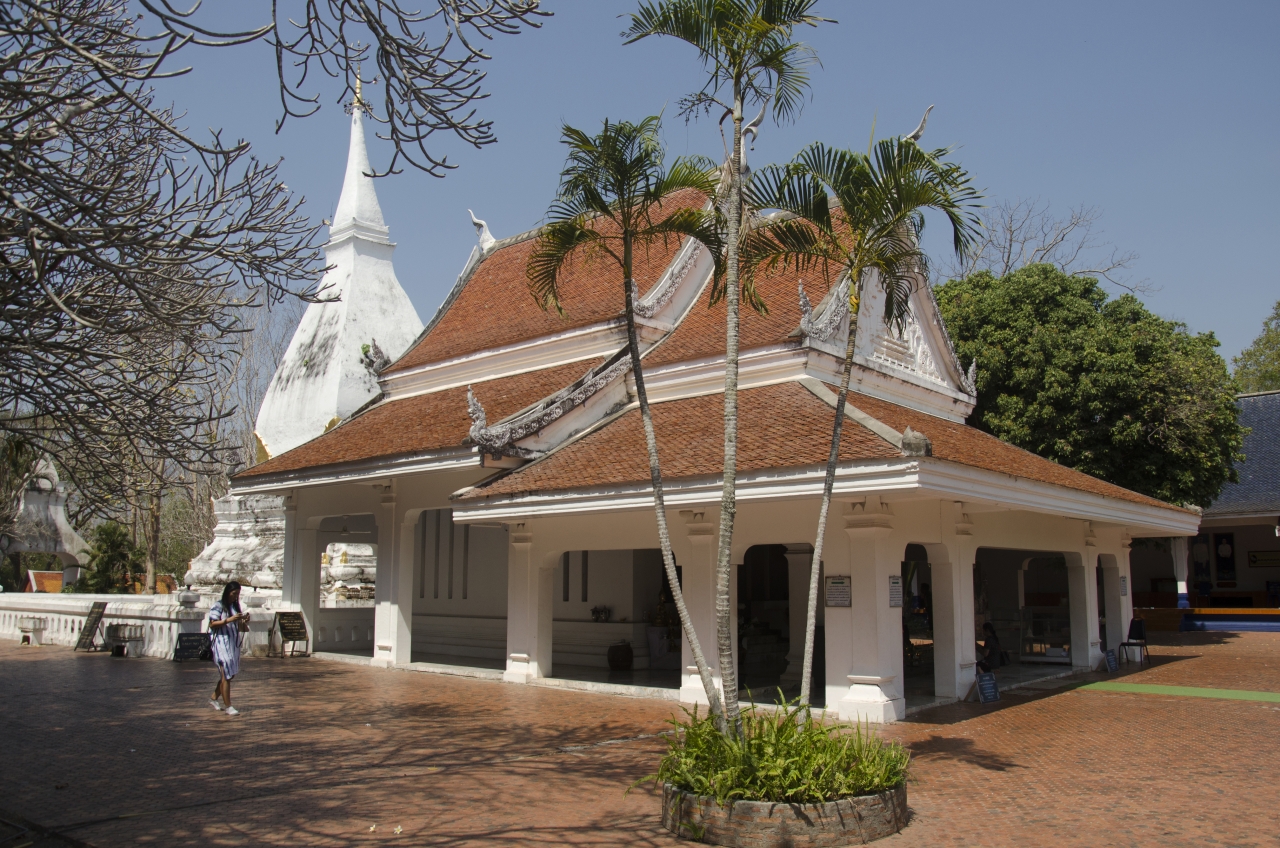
x=330 y=368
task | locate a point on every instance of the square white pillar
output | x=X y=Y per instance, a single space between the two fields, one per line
x=1082 y=587
x=300 y=581
x=954 y=650
x=1117 y=625
x=393 y=604
x=529 y=599
x=698 y=583
x=864 y=641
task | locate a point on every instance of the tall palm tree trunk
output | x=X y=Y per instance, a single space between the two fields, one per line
x=659 y=502
x=811 y=615
x=728 y=495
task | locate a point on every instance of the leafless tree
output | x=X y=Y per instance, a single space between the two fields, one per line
x=133 y=254
x=1027 y=232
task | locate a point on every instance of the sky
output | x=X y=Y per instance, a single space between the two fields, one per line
x=1160 y=115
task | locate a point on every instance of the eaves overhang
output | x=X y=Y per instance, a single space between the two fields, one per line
x=924 y=476
x=364 y=470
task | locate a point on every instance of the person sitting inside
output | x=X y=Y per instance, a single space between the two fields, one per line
x=990 y=649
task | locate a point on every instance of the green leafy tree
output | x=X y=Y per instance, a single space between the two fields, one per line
x=750 y=57
x=1103 y=386
x=113 y=559
x=874 y=235
x=1257 y=368
x=615 y=196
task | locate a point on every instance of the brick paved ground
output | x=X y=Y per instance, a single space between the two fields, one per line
x=121 y=752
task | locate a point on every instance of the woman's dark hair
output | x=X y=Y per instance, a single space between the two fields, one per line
x=226 y=598
x=988 y=627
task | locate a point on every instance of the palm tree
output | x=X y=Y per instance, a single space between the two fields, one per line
x=747 y=49
x=881 y=197
x=615 y=196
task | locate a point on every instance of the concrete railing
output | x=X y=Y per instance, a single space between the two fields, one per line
x=161 y=617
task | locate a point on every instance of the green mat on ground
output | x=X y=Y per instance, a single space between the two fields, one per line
x=1184 y=691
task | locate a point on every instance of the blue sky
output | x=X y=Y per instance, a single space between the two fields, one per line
x=1162 y=115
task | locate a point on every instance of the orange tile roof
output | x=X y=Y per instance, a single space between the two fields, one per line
x=44 y=581
x=495 y=307
x=779 y=426
x=701 y=334
x=970 y=446
x=420 y=423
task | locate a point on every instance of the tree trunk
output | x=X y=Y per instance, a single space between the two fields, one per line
x=728 y=496
x=153 y=543
x=659 y=503
x=811 y=618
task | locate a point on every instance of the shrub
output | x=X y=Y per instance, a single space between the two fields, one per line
x=783 y=755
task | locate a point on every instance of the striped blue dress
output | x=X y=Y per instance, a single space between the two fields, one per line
x=225 y=641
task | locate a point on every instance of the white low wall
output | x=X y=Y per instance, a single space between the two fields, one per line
x=161 y=616
x=344 y=628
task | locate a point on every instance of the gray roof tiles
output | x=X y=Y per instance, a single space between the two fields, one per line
x=1259 y=486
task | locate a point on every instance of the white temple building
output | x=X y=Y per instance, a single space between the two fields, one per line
x=515 y=536
x=329 y=372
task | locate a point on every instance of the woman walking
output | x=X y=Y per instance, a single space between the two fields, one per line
x=225 y=620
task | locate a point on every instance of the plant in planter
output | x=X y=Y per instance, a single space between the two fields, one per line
x=786 y=777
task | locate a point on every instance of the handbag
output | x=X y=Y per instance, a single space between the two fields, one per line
x=206 y=653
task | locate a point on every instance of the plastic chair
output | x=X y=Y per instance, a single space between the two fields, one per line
x=1137 y=639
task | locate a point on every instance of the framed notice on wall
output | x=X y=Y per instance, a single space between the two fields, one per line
x=895 y=590
x=1224 y=556
x=839 y=590
x=1264 y=559
x=1124 y=586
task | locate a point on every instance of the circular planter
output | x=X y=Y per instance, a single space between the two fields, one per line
x=768 y=824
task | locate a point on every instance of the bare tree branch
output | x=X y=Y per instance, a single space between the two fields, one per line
x=1026 y=232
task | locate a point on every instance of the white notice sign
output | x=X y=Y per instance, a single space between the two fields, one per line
x=839 y=591
x=1124 y=586
x=895 y=590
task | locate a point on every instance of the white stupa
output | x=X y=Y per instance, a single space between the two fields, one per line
x=328 y=372
x=330 y=368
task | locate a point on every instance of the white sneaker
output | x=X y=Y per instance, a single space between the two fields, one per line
x=215 y=703
x=232 y=711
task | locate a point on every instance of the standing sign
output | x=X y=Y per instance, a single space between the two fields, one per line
x=895 y=590
x=89 y=632
x=189 y=646
x=839 y=591
x=1111 y=662
x=292 y=628
x=988 y=689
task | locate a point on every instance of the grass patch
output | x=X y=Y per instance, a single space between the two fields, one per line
x=782 y=755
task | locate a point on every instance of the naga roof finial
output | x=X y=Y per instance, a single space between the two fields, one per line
x=482 y=230
x=919 y=131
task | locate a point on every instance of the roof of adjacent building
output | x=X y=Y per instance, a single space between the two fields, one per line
x=1258 y=490
x=44 y=581
x=780 y=426
x=420 y=423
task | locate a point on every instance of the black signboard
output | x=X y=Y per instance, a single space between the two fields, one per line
x=1112 y=663
x=189 y=646
x=988 y=689
x=92 y=622
x=292 y=627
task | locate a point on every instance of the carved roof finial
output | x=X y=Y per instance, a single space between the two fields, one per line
x=482 y=230
x=919 y=131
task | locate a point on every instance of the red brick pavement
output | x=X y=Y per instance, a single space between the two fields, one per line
x=122 y=752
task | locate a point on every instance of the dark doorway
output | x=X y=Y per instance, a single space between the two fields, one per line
x=917 y=625
x=764 y=620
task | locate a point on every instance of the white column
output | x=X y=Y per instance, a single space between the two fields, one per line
x=799 y=569
x=529 y=599
x=954 y=652
x=864 y=641
x=300 y=582
x=393 y=610
x=698 y=582
x=1082 y=588
x=1126 y=575
x=1180 y=570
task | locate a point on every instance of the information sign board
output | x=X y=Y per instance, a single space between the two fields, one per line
x=292 y=627
x=988 y=689
x=89 y=631
x=189 y=646
x=839 y=591
x=1112 y=663
x=895 y=590
x=1124 y=585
